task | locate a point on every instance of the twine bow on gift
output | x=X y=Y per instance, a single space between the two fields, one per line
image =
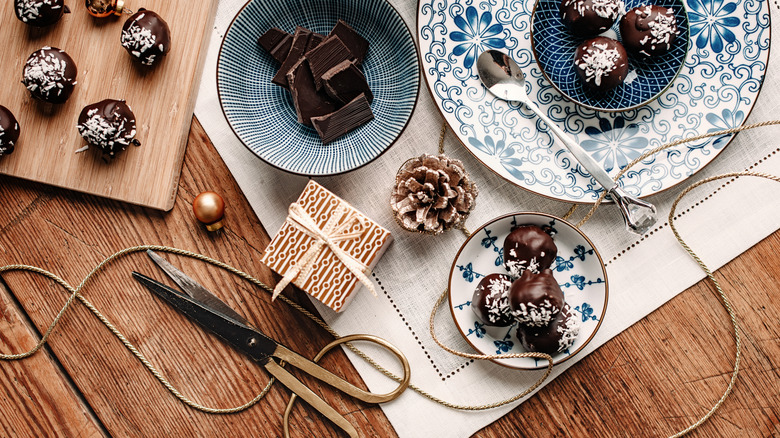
x=335 y=230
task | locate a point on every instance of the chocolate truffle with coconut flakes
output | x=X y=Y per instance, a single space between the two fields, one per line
x=553 y=338
x=535 y=299
x=649 y=30
x=602 y=63
x=40 y=13
x=490 y=302
x=108 y=125
x=528 y=247
x=146 y=37
x=50 y=75
x=9 y=131
x=588 y=18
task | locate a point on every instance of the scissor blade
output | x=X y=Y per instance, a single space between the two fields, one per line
x=194 y=289
x=240 y=336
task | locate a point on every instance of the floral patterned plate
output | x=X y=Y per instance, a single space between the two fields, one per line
x=715 y=90
x=578 y=268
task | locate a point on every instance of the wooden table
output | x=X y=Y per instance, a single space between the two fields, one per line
x=652 y=380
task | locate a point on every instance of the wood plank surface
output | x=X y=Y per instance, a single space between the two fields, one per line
x=162 y=99
x=652 y=380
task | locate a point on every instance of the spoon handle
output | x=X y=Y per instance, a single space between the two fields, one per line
x=638 y=215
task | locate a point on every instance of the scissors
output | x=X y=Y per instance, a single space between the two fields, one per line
x=200 y=305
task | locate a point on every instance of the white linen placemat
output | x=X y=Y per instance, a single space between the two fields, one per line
x=719 y=221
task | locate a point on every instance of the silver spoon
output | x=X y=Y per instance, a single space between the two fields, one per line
x=503 y=78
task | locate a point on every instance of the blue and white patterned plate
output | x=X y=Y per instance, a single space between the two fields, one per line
x=715 y=90
x=578 y=268
x=554 y=47
x=262 y=114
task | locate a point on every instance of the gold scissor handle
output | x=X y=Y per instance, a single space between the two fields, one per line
x=311 y=368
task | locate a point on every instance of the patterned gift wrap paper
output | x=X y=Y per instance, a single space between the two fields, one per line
x=328 y=280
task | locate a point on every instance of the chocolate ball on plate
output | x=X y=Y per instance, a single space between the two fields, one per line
x=146 y=37
x=535 y=299
x=528 y=247
x=649 y=30
x=490 y=302
x=40 y=13
x=9 y=131
x=602 y=63
x=587 y=18
x=108 y=125
x=50 y=75
x=553 y=338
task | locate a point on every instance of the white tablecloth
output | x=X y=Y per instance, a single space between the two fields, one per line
x=644 y=273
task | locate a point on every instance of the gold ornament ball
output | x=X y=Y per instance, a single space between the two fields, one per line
x=209 y=208
x=104 y=8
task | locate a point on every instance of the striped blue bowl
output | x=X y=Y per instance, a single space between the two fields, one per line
x=262 y=114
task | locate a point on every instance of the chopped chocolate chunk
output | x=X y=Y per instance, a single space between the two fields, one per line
x=314 y=40
x=307 y=100
x=326 y=56
x=276 y=42
x=352 y=115
x=345 y=82
x=356 y=44
x=297 y=49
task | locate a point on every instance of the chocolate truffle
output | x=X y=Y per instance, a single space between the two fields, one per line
x=559 y=335
x=108 y=125
x=490 y=302
x=588 y=18
x=146 y=37
x=9 y=131
x=535 y=299
x=528 y=247
x=602 y=63
x=50 y=75
x=649 y=30
x=40 y=13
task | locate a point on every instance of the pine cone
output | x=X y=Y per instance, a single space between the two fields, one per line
x=432 y=194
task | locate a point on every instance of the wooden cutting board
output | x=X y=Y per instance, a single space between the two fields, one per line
x=162 y=98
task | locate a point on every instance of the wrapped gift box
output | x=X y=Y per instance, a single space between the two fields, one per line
x=326 y=247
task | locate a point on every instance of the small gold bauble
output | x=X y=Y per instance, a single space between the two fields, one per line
x=209 y=208
x=104 y=8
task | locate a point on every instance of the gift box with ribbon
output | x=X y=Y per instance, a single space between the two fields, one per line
x=326 y=247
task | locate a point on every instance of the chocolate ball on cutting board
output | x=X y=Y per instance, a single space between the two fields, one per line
x=40 y=13
x=50 y=75
x=602 y=63
x=108 y=125
x=649 y=30
x=9 y=131
x=588 y=18
x=146 y=37
x=490 y=301
x=528 y=247
x=535 y=299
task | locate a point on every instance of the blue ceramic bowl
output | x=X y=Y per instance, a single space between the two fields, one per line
x=262 y=114
x=554 y=47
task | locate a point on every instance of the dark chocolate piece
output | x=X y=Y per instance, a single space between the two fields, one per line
x=648 y=30
x=314 y=40
x=535 y=299
x=9 y=131
x=356 y=44
x=40 y=13
x=528 y=247
x=588 y=18
x=146 y=37
x=50 y=75
x=490 y=301
x=559 y=335
x=307 y=100
x=276 y=42
x=297 y=49
x=108 y=125
x=327 y=55
x=345 y=81
x=602 y=63
x=352 y=115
